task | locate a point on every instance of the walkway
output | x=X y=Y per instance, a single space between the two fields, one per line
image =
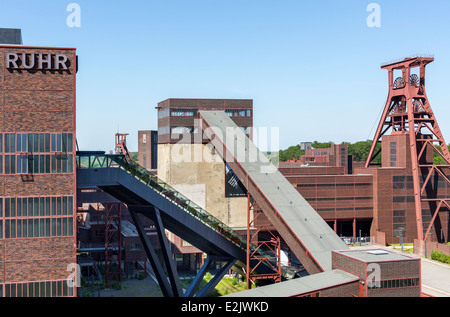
x=435 y=278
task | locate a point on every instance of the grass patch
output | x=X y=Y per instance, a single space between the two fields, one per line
x=440 y=256
x=228 y=285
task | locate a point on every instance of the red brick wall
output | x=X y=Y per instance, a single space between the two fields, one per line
x=37 y=101
x=419 y=247
x=380 y=238
x=37 y=259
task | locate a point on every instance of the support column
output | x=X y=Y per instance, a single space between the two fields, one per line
x=151 y=254
x=216 y=279
x=168 y=256
x=198 y=278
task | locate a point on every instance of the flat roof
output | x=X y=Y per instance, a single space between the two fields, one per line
x=328 y=175
x=35 y=47
x=376 y=255
x=207 y=99
x=301 y=285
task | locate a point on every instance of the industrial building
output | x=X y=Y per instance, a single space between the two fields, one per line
x=148 y=149
x=406 y=196
x=187 y=162
x=203 y=195
x=37 y=167
x=354 y=275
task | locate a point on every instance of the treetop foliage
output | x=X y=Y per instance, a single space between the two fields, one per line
x=359 y=150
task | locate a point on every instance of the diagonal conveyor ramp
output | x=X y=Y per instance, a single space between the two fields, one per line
x=302 y=228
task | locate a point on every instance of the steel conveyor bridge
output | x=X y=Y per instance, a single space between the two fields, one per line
x=305 y=232
x=145 y=194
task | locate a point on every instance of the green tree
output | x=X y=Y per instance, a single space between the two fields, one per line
x=322 y=145
x=359 y=150
x=290 y=153
x=437 y=159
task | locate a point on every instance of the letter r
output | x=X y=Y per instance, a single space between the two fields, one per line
x=11 y=59
x=61 y=60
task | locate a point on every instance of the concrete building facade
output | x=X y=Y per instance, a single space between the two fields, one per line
x=191 y=165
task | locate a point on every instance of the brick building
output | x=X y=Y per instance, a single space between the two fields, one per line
x=148 y=149
x=355 y=273
x=377 y=202
x=344 y=201
x=382 y=273
x=37 y=170
x=393 y=191
x=336 y=155
x=177 y=117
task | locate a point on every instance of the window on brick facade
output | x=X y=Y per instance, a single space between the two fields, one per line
x=22 y=164
x=10 y=164
x=10 y=143
x=38 y=227
x=56 y=142
x=21 y=143
x=175 y=112
x=238 y=112
x=393 y=154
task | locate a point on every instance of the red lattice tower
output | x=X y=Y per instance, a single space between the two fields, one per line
x=273 y=245
x=113 y=243
x=408 y=111
x=121 y=144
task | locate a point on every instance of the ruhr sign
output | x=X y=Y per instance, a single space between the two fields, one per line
x=32 y=61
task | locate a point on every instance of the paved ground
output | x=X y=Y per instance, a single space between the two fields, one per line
x=435 y=282
x=435 y=278
x=130 y=288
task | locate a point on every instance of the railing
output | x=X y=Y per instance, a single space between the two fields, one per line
x=358 y=240
x=95 y=160
x=120 y=161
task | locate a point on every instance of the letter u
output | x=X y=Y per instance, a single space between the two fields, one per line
x=31 y=63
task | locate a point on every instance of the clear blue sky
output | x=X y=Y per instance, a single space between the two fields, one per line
x=311 y=67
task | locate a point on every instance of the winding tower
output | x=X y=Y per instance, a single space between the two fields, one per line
x=408 y=112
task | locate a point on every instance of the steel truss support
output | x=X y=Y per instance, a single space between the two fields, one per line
x=113 y=242
x=166 y=287
x=168 y=256
x=216 y=279
x=273 y=246
x=198 y=278
x=170 y=283
x=211 y=284
x=407 y=111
